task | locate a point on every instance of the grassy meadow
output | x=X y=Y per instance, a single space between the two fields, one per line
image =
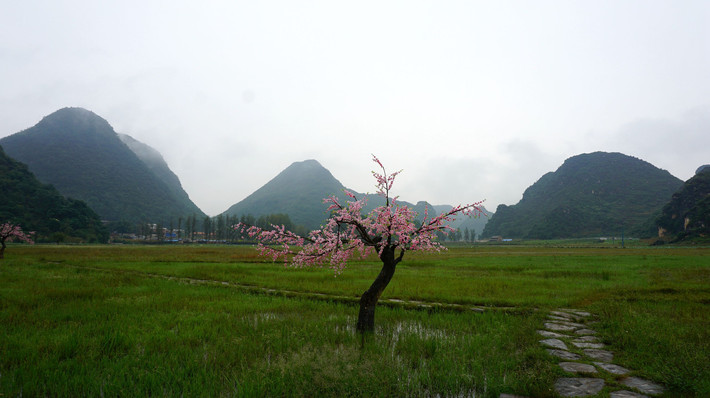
x=135 y=321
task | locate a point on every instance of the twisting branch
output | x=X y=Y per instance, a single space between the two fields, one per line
x=349 y=232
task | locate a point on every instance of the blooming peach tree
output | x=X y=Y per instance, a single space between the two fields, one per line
x=389 y=231
x=8 y=232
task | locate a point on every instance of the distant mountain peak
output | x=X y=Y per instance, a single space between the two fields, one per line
x=72 y=111
x=592 y=194
x=309 y=172
x=79 y=153
x=76 y=119
x=298 y=191
x=307 y=162
x=75 y=110
x=308 y=165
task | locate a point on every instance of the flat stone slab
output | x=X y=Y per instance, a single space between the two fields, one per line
x=547 y=333
x=562 y=354
x=613 y=369
x=570 y=323
x=643 y=385
x=587 y=345
x=578 y=386
x=563 y=314
x=576 y=367
x=587 y=339
x=558 y=327
x=601 y=355
x=583 y=332
x=510 y=396
x=626 y=394
x=554 y=343
x=558 y=318
x=575 y=312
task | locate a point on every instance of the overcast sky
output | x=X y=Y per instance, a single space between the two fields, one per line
x=473 y=99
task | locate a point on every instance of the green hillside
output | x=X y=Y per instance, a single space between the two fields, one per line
x=155 y=162
x=299 y=191
x=687 y=214
x=594 y=194
x=81 y=155
x=40 y=208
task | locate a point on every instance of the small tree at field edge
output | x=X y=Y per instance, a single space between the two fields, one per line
x=9 y=232
x=389 y=230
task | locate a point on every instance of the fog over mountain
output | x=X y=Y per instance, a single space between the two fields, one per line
x=474 y=100
x=155 y=162
x=80 y=154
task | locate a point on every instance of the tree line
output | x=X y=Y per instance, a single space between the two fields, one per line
x=195 y=228
x=220 y=229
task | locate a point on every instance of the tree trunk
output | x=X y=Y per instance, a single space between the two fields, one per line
x=368 y=301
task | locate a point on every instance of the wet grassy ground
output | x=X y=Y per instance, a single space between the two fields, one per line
x=70 y=328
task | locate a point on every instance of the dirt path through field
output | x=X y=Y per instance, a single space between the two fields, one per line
x=392 y=302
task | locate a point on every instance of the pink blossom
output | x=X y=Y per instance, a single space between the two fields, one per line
x=10 y=232
x=349 y=233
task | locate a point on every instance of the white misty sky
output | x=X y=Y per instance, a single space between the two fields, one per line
x=473 y=99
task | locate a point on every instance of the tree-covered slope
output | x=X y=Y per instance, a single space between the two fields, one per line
x=592 y=194
x=299 y=191
x=82 y=156
x=155 y=162
x=688 y=212
x=40 y=208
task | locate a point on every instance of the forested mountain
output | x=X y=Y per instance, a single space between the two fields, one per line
x=81 y=155
x=40 y=208
x=155 y=162
x=688 y=212
x=299 y=191
x=594 y=194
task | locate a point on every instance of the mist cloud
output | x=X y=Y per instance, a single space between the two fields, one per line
x=472 y=99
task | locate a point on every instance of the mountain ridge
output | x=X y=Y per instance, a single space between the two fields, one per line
x=157 y=164
x=42 y=209
x=593 y=194
x=124 y=179
x=284 y=194
x=80 y=154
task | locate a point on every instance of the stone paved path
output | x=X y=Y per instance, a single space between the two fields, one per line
x=568 y=335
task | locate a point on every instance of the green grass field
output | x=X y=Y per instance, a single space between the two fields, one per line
x=101 y=321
